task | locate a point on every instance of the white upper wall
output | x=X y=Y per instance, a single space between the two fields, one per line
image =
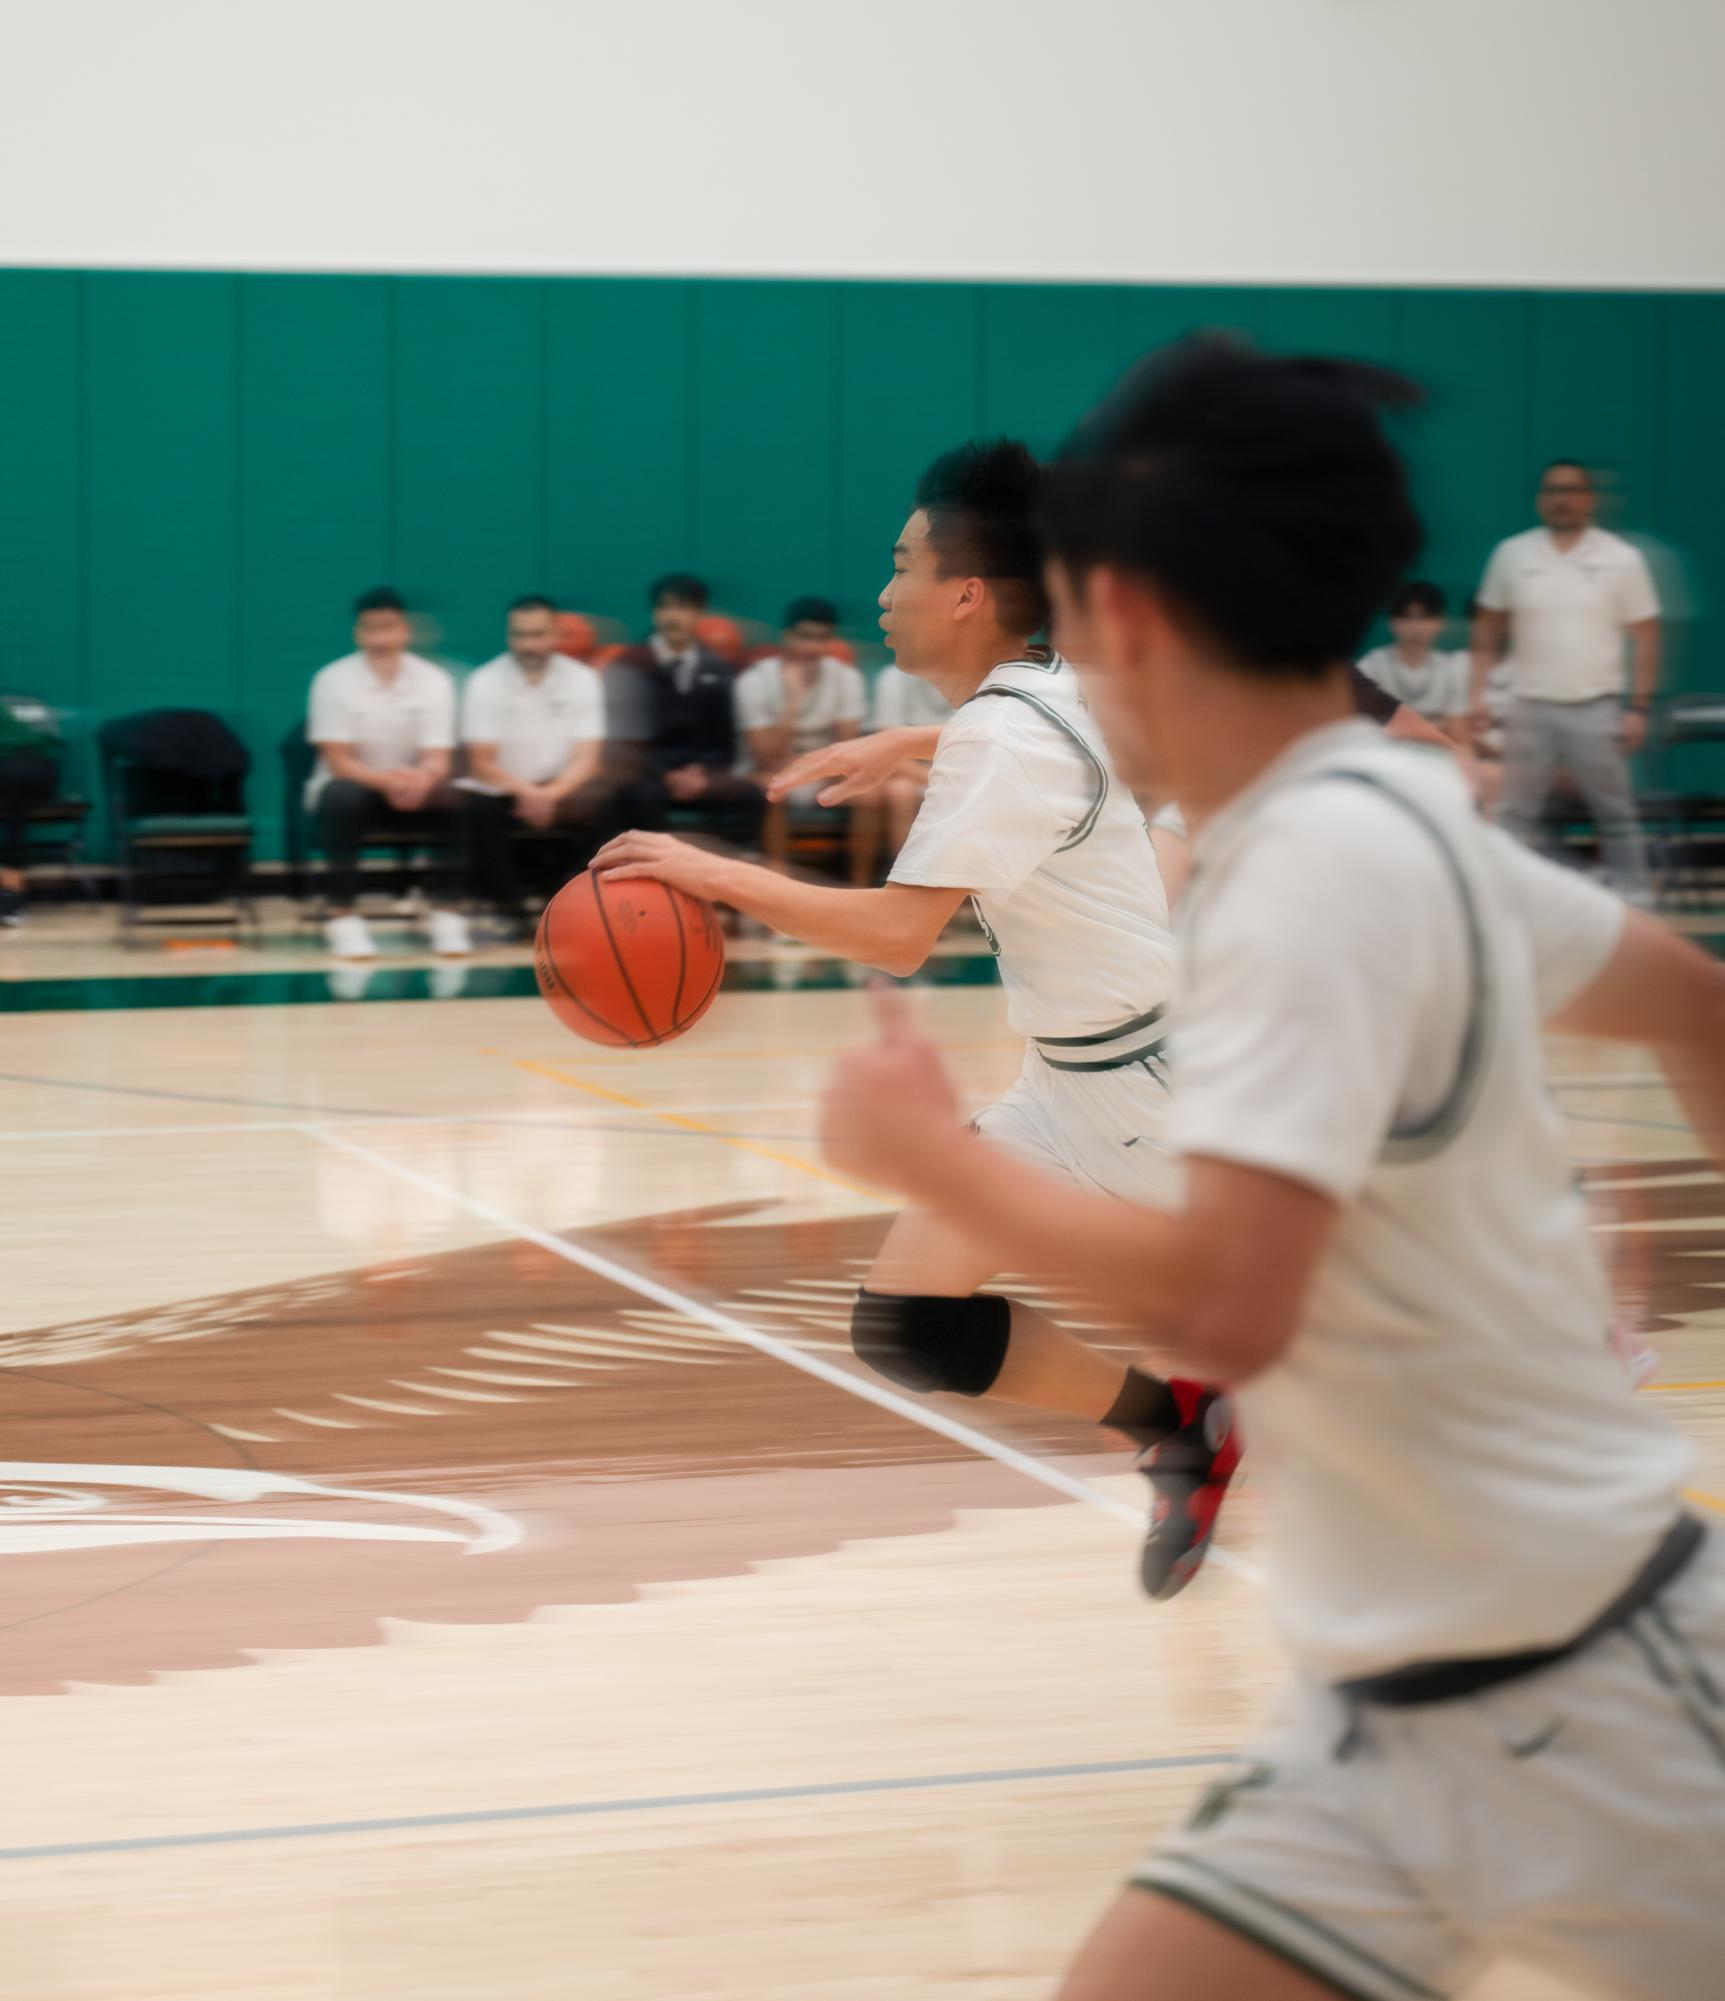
x=1548 y=142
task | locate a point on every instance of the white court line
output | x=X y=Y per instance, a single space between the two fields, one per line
x=766 y=1344
x=152 y=1132
x=553 y=1120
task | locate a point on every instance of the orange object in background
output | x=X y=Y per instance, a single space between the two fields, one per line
x=577 y=636
x=721 y=635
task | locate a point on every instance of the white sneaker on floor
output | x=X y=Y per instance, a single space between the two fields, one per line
x=349 y=938
x=450 y=938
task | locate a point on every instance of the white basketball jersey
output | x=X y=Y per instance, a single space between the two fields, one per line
x=1457 y=1463
x=1024 y=810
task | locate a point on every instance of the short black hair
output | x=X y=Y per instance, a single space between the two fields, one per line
x=811 y=611
x=1259 y=491
x=1416 y=599
x=680 y=588
x=981 y=502
x=534 y=601
x=1569 y=465
x=381 y=599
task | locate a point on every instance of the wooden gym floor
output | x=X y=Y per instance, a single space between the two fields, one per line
x=449 y=1553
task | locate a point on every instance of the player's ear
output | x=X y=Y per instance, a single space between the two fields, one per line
x=972 y=594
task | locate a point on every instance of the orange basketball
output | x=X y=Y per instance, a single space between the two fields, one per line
x=631 y=964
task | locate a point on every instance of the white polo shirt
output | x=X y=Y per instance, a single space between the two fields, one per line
x=837 y=694
x=905 y=701
x=535 y=724
x=1438 y=690
x=388 y=723
x=1458 y=1465
x=1024 y=810
x=1568 y=609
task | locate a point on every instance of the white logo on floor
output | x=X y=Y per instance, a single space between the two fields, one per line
x=46 y=1506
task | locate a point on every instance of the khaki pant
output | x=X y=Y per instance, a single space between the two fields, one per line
x=1582 y=739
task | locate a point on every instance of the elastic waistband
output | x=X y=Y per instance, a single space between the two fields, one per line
x=1445 y=1681
x=1143 y=1039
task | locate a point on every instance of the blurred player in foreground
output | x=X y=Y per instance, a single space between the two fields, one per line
x=1505 y=1731
x=1022 y=815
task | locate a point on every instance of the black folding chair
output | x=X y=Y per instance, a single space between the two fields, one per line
x=1689 y=738
x=175 y=785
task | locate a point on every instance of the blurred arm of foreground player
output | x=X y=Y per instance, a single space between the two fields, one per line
x=1659 y=990
x=893 y=929
x=1217 y=1288
x=855 y=768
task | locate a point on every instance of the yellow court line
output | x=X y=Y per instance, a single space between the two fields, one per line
x=1671 y=1389
x=1713 y=1501
x=699 y=1126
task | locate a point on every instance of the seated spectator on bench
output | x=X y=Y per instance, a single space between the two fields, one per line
x=673 y=725
x=898 y=701
x=794 y=701
x=1435 y=685
x=533 y=728
x=383 y=723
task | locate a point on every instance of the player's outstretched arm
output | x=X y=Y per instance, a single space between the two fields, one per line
x=892 y=929
x=1662 y=991
x=1218 y=1287
x=855 y=767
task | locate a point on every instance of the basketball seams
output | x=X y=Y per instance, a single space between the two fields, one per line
x=706 y=1000
x=546 y=956
x=646 y=935
x=676 y=903
x=621 y=963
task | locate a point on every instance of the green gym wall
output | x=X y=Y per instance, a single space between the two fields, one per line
x=199 y=471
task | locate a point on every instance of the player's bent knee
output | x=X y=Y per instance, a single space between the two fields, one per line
x=924 y=1343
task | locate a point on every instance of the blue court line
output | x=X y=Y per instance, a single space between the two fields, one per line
x=224 y=1837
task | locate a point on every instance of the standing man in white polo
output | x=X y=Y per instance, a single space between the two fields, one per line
x=533 y=726
x=1558 y=603
x=383 y=723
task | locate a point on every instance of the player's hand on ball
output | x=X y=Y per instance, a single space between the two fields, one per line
x=663 y=857
x=889 y=1106
x=848 y=770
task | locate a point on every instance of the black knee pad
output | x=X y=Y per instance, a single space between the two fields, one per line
x=924 y=1344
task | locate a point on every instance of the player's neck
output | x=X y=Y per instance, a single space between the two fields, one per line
x=1232 y=729
x=1413 y=656
x=959 y=677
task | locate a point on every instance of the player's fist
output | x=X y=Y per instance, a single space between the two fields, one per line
x=889 y=1105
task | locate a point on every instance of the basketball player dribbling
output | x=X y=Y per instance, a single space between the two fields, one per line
x=1023 y=816
x=1505 y=1729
